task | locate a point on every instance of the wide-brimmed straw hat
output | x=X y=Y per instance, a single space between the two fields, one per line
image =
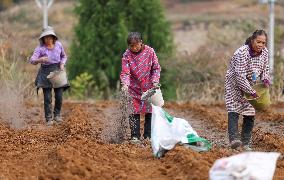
x=46 y=32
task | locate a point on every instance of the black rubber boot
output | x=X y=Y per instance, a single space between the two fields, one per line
x=233 y=131
x=147 y=126
x=247 y=127
x=134 y=121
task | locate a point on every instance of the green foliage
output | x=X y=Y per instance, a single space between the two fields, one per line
x=83 y=86
x=8 y=3
x=101 y=35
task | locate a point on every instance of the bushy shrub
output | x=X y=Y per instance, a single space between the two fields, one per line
x=101 y=35
x=83 y=86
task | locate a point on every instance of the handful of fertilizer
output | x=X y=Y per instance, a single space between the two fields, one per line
x=150 y=92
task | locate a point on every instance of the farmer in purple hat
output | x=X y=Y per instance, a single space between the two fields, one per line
x=248 y=64
x=140 y=72
x=51 y=55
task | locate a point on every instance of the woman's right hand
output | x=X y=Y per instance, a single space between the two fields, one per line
x=42 y=59
x=254 y=95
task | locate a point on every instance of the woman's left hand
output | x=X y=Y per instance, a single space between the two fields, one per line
x=61 y=66
x=266 y=83
x=155 y=84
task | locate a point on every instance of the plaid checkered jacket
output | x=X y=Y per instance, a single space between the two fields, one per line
x=239 y=79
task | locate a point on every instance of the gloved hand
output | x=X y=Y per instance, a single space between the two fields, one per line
x=254 y=95
x=155 y=84
x=124 y=88
x=266 y=82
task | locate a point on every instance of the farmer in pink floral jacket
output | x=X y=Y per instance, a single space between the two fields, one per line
x=140 y=72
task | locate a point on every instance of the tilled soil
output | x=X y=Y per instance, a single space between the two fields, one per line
x=84 y=145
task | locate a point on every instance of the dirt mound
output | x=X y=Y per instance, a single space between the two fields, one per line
x=75 y=149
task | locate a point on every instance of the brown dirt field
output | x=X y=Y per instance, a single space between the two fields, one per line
x=76 y=150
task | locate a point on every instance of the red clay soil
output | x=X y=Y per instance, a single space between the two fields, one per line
x=265 y=138
x=75 y=150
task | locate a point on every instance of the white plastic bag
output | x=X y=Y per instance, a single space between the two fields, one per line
x=58 y=78
x=167 y=131
x=245 y=166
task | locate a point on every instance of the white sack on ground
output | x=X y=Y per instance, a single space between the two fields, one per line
x=245 y=166
x=167 y=131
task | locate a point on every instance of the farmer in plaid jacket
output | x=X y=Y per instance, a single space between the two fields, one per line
x=249 y=63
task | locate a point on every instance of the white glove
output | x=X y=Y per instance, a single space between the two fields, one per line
x=155 y=84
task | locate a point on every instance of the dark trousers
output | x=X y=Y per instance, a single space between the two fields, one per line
x=134 y=121
x=48 y=102
x=247 y=126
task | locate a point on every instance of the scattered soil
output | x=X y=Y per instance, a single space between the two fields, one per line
x=80 y=147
